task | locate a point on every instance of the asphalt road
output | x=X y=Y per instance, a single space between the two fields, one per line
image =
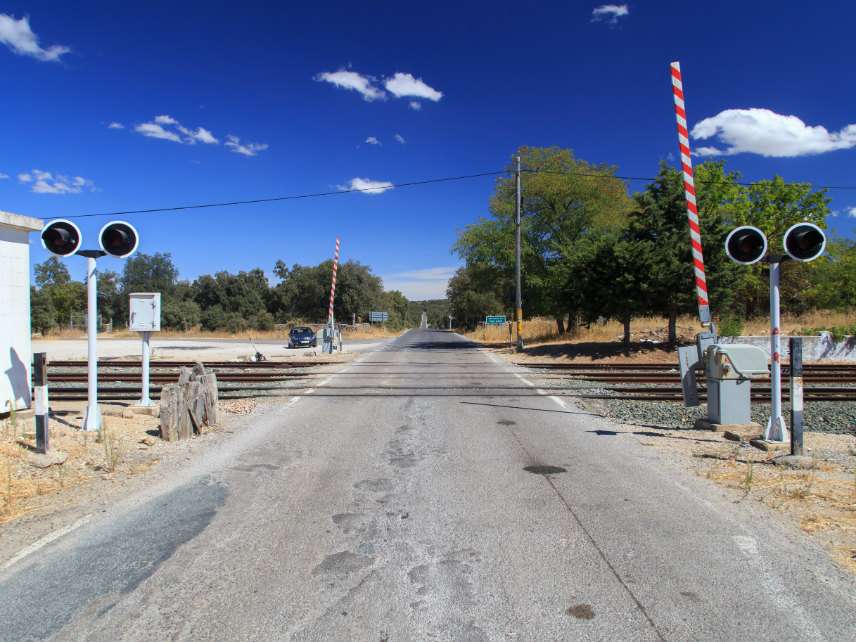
x=394 y=503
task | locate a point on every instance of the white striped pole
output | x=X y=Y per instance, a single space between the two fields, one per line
x=40 y=397
x=333 y=285
x=690 y=194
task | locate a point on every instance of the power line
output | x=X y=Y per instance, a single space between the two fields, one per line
x=651 y=179
x=386 y=186
x=292 y=197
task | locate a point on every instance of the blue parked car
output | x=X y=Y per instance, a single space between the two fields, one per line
x=302 y=337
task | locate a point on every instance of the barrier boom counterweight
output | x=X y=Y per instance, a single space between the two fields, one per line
x=690 y=194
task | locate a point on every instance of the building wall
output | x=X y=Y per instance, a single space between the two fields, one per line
x=15 y=348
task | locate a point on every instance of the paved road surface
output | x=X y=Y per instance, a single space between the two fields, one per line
x=394 y=504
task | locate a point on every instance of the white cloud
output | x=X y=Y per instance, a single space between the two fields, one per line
x=403 y=85
x=42 y=182
x=366 y=186
x=154 y=130
x=415 y=105
x=201 y=134
x=3 y=176
x=419 y=285
x=17 y=35
x=609 y=13
x=371 y=140
x=400 y=139
x=247 y=149
x=850 y=211
x=764 y=132
x=115 y=125
x=168 y=128
x=353 y=81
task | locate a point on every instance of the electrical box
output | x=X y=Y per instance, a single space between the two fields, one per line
x=145 y=312
x=736 y=361
x=729 y=370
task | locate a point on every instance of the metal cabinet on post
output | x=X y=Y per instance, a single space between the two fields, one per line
x=145 y=318
x=729 y=370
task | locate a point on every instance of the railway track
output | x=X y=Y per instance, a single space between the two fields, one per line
x=664 y=382
x=121 y=380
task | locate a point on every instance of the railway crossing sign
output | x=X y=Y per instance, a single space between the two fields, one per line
x=378 y=317
x=495 y=319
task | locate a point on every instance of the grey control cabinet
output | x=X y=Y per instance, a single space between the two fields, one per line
x=729 y=370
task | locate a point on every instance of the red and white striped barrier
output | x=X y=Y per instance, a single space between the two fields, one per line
x=333 y=285
x=690 y=194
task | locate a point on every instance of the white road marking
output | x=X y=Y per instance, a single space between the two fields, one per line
x=507 y=366
x=44 y=541
x=776 y=588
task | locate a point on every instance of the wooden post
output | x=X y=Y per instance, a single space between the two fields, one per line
x=190 y=405
x=171 y=410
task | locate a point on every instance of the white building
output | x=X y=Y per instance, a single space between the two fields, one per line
x=16 y=354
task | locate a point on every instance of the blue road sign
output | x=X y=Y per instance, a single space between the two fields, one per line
x=495 y=319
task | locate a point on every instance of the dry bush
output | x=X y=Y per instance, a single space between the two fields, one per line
x=544 y=330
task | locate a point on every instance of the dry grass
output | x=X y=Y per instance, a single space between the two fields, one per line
x=118 y=450
x=361 y=332
x=368 y=332
x=820 y=501
x=542 y=331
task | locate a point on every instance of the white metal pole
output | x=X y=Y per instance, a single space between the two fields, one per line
x=776 y=428
x=145 y=400
x=518 y=295
x=93 y=414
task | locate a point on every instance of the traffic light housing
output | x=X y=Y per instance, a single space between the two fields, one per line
x=61 y=237
x=804 y=241
x=746 y=245
x=118 y=239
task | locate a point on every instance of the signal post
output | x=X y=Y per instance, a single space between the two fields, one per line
x=62 y=238
x=747 y=245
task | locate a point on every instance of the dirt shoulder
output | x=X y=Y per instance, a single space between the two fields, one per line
x=820 y=501
x=87 y=471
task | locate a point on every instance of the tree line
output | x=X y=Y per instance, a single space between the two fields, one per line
x=591 y=250
x=231 y=302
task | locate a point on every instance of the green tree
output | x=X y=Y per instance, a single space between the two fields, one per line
x=42 y=312
x=833 y=284
x=469 y=301
x=304 y=291
x=658 y=227
x=180 y=314
x=564 y=199
x=773 y=206
x=51 y=272
x=244 y=294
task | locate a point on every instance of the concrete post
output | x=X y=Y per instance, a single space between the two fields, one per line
x=795 y=350
x=42 y=406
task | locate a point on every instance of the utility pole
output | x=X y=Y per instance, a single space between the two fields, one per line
x=519 y=294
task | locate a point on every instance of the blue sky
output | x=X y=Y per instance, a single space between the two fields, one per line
x=462 y=85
